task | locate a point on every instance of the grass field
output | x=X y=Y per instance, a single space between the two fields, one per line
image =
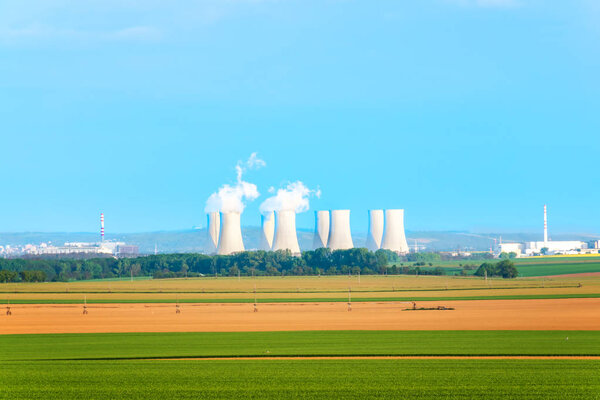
x=306 y=379
x=533 y=269
x=303 y=343
x=96 y=366
x=529 y=266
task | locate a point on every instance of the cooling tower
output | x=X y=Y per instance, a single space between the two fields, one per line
x=267 y=223
x=321 y=229
x=213 y=226
x=285 y=232
x=340 y=236
x=375 y=233
x=393 y=234
x=230 y=239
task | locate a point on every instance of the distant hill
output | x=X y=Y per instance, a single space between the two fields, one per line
x=196 y=240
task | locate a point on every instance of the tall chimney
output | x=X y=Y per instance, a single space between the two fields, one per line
x=102 y=226
x=545 y=224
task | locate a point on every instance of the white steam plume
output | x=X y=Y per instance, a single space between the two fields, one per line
x=293 y=197
x=231 y=198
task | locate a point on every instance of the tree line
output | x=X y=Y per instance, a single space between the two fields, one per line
x=321 y=261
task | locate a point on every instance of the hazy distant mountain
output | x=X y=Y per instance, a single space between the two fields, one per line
x=196 y=240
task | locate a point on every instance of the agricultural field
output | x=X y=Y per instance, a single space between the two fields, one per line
x=529 y=266
x=155 y=365
x=532 y=337
x=299 y=289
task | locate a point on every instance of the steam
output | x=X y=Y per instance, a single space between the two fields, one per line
x=231 y=198
x=295 y=196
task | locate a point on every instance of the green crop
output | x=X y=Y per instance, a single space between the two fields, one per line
x=302 y=343
x=306 y=379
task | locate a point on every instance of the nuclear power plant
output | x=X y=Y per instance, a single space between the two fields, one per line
x=267 y=225
x=214 y=225
x=394 y=238
x=375 y=232
x=340 y=236
x=321 y=229
x=230 y=238
x=332 y=230
x=285 y=232
x=547 y=247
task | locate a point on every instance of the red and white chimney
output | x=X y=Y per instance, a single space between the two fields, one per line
x=102 y=226
x=545 y=224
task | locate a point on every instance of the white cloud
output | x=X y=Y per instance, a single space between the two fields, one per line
x=38 y=33
x=295 y=196
x=232 y=197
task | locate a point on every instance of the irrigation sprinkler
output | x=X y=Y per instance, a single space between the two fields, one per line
x=255 y=306
x=85 y=310
x=177 y=309
x=349 y=299
x=8 y=312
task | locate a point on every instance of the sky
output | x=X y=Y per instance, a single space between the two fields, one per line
x=469 y=114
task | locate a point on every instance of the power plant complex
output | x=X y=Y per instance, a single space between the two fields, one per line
x=332 y=230
x=547 y=246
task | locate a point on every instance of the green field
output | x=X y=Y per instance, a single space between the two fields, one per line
x=544 y=269
x=107 y=346
x=103 y=366
x=306 y=379
x=311 y=299
x=527 y=267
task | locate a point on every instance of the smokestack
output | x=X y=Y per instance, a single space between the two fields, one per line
x=394 y=238
x=267 y=223
x=545 y=224
x=340 y=236
x=213 y=227
x=102 y=226
x=321 y=229
x=230 y=238
x=285 y=232
x=375 y=233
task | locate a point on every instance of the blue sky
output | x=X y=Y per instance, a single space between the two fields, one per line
x=470 y=114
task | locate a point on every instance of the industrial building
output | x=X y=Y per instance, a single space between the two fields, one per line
x=547 y=246
x=332 y=230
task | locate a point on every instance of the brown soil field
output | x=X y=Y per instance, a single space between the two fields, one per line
x=546 y=314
